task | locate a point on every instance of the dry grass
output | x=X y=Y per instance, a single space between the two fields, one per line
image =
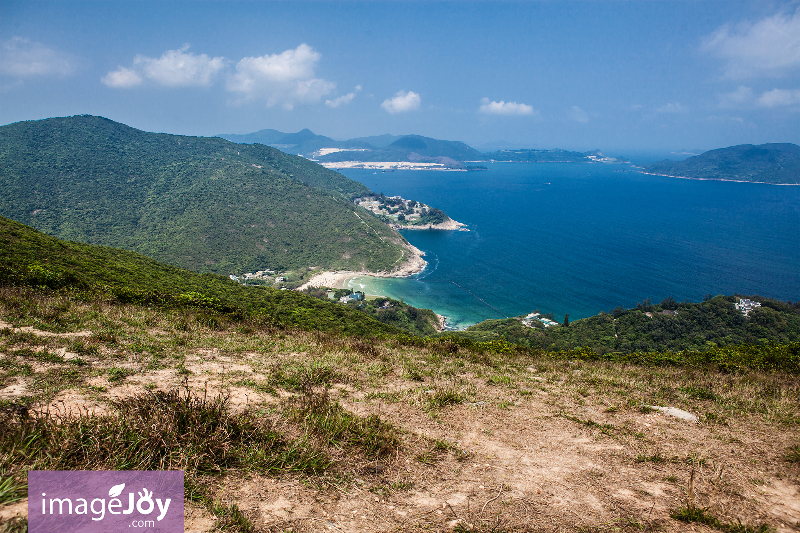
x=416 y=437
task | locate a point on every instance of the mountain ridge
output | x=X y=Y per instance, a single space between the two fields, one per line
x=205 y=204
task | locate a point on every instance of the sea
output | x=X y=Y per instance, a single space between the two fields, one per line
x=581 y=238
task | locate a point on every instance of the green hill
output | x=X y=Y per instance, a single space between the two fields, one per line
x=765 y=163
x=201 y=203
x=669 y=326
x=31 y=258
x=413 y=148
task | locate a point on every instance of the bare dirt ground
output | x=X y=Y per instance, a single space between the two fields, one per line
x=500 y=444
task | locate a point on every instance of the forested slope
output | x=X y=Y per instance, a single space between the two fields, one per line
x=669 y=326
x=31 y=258
x=201 y=203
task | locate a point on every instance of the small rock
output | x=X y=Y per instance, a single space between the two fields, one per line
x=677 y=413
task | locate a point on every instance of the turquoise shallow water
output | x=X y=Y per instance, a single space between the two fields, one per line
x=585 y=238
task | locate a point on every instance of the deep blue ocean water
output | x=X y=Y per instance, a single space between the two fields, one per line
x=583 y=238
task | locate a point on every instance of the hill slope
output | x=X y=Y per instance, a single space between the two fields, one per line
x=201 y=203
x=765 y=163
x=669 y=326
x=29 y=257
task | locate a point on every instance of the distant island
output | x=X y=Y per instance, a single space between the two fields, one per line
x=777 y=164
x=406 y=152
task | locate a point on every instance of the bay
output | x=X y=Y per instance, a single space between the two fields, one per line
x=580 y=238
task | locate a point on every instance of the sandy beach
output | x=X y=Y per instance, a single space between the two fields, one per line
x=338 y=279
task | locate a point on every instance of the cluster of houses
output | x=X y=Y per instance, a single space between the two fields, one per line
x=537 y=317
x=261 y=275
x=381 y=206
x=355 y=297
x=745 y=305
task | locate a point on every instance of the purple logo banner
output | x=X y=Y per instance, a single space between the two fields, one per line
x=78 y=501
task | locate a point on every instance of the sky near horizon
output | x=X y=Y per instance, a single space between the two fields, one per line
x=634 y=75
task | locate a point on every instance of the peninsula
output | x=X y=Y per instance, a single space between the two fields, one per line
x=400 y=213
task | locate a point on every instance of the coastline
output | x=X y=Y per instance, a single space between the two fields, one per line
x=716 y=179
x=388 y=165
x=337 y=279
x=340 y=279
x=449 y=224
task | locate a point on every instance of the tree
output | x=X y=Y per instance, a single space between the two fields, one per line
x=566 y=320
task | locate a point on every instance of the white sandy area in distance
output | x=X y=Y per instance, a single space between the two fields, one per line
x=387 y=165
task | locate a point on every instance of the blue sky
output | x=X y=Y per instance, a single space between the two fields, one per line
x=621 y=76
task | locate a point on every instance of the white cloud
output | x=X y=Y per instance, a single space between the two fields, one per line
x=779 y=97
x=740 y=97
x=21 y=58
x=578 y=115
x=176 y=68
x=122 y=78
x=505 y=108
x=672 y=107
x=344 y=99
x=286 y=78
x=402 y=102
x=770 y=46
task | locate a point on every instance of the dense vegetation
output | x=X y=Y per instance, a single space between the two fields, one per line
x=767 y=163
x=397 y=210
x=669 y=326
x=31 y=258
x=200 y=203
x=395 y=313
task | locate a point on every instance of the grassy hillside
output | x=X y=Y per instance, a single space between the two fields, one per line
x=278 y=429
x=767 y=163
x=284 y=411
x=200 y=203
x=669 y=326
x=33 y=259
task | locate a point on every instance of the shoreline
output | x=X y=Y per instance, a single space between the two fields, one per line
x=449 y=224
x=388 y=165
x=717 y=179
x=337 y=279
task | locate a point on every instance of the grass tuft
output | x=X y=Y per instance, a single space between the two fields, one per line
x=340 y=427
x=701 y=515
x=444 y=397
x=793 y=455
x=153 y=431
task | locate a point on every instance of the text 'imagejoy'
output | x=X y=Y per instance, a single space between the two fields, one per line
x=106 y=501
